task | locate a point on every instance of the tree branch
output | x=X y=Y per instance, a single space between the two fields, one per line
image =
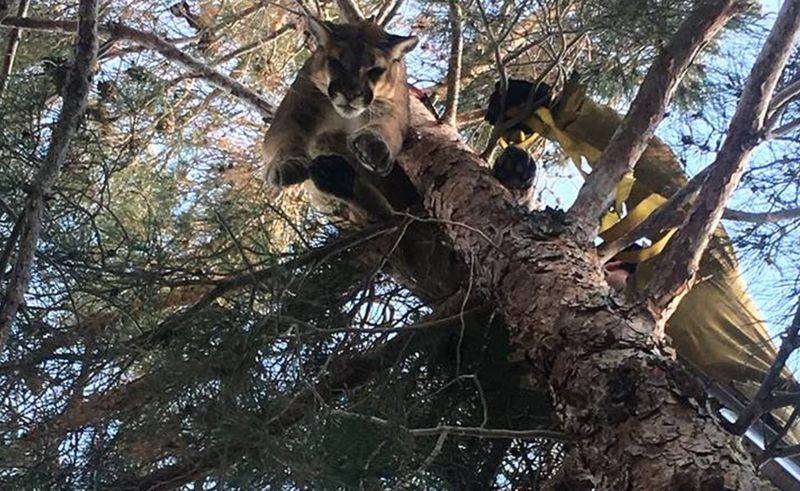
x=11 y=48
x=761 y=401
x=74 y=104
x=682 y=256
x=763 y=217
x=646 y=112
x=454 y=64
x=165 y=48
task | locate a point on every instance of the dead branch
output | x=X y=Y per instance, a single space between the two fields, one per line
x=74 y=104
x=762 y=217
x=682 y=255
x=454 y=64
x=646 y=112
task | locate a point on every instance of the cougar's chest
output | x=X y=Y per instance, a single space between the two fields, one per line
x=331 y=134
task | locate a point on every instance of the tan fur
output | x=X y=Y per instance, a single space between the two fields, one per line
x=307 y=125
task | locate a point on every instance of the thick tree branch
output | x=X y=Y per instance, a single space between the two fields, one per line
x=574 y=338
x=682 y=256
x=166 y=49
x=454 y=64
x=11 y=48
x=75 y=96
x=646 y=112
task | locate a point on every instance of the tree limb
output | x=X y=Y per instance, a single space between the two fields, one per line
x=75 y=96
x=682 y=256
x=454 y=64
x=165 y=48
x=11 y=48
x=761 y=217
x=646 y=112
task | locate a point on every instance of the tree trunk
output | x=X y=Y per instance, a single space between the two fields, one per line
x=632 y=410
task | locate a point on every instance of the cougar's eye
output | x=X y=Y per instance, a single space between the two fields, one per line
x=375 y=73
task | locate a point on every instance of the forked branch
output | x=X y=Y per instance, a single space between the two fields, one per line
x=646 y=112
x=681 y=258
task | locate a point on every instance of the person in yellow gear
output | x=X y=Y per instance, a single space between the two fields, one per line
x=717 y=329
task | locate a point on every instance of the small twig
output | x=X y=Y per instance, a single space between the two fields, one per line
x=502 y=83
x=761 y=217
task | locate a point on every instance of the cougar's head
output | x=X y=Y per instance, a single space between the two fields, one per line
x=355 y=63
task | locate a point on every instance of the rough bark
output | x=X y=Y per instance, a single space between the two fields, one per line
x=616 y=387
x=646 y=112
x=75 y=97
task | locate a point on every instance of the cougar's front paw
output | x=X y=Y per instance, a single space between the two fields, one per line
x=333 y=175
x=514 y=168
x=288 y=171
x=371 y=152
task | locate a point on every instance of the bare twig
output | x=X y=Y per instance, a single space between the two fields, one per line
x=11 y=47
x=683 y=253
x=76 y=91
x=468 y=431
x=454 y=64
x=166 y=49
x=645 y=113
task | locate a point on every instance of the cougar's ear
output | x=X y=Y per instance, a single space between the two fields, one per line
x=321 y=30
x=398 y=46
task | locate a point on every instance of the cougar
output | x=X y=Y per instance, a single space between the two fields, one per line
x=344 y=118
